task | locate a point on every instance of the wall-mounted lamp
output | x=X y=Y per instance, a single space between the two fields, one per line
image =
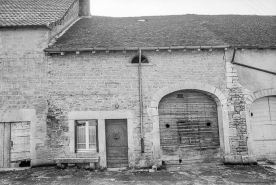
x=77 y=52
x=62 y=53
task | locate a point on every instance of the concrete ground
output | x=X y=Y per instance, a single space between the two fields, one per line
x=193 y=174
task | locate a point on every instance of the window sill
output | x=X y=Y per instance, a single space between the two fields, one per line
x=136 y=65
x=87 y=151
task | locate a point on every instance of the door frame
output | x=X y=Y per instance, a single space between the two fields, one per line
x=23 y=115
x=101 y=116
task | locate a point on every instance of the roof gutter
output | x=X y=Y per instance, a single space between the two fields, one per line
x=247 y=66
x=58 y=50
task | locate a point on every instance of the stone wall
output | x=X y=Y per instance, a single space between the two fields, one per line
x=96 y=82
x=23 y=78
x=241 y=83
x=23 y=70
x=56 y=85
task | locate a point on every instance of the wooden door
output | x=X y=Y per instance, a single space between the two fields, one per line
x=263 y=120
x=116 y=143
x=189 y=128
x=15 y=143
x=20 y=141
x=5 y=139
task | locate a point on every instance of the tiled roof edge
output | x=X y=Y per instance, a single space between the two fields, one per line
x=156 y=48
x=50 y=25
x=53 y=40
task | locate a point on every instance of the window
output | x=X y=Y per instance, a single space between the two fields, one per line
x=86 y=135
x=135 y=60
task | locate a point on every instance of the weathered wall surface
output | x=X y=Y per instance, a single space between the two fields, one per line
x=242 y=82
x=252 y=79
x=23 y=81
x=95 y=82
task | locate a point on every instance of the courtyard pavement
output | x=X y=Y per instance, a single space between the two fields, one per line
x=192 y=174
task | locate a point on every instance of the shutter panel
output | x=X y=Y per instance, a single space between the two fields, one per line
x=97 y=142
x=76 y=135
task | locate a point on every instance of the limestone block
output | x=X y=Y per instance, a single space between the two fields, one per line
x=258 y=94
x=269 y=92
x=152 y=111
x=248 y=159
x=232 y=132
x=154 y=104
x=243 y=114
x=156 y=98
x=236 y=116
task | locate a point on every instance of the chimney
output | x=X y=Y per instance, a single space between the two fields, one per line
x=84 y=9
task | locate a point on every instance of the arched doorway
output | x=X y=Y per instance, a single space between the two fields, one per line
x=263 y=124
x=189 y=132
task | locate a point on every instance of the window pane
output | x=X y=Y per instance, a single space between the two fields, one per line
x=92 y=137
x=81 y=137
x=81 y=146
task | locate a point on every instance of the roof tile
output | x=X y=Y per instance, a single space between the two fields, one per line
x=177 y=30
x=32 y=12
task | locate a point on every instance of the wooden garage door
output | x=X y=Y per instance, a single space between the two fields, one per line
x=263 y=120
x=116 y=143
x=189 y=128
x=15 y=143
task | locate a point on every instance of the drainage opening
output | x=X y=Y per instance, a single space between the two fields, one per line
x=180 y=160
x=25 y=164
x=251 y=114
x=208 y=124
x=167 y=125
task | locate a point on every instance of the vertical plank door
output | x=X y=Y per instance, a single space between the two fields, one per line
x=116 y=143
x=189 y=130
x=5 y=139
x=263 y=120
x=20 y=139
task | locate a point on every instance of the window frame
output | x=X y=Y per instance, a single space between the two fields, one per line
x=142 y=56
x=96 y=149
x=130 y=64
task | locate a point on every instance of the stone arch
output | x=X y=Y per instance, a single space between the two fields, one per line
x=248 y=101
x=259 y=94
x=214 y=92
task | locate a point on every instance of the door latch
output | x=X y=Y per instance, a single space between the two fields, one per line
x=11 y=143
